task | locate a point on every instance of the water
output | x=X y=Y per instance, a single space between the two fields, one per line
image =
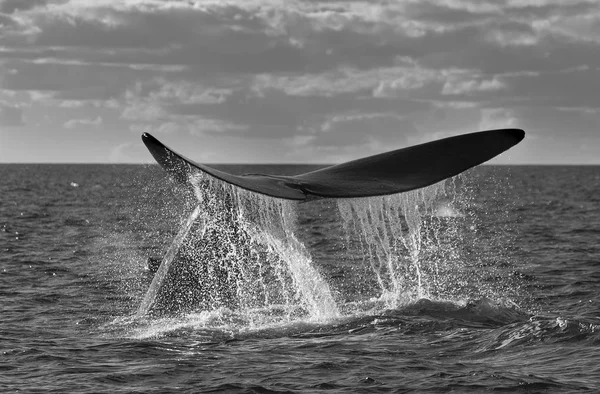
x=487 y=282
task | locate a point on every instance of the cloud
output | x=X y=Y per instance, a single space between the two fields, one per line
x=11 y=6
x=162 y=128
x=152 y=99
x=391 y=131
x=75 y=123
x=259 y=37
x=574 y=87
x=333 y=77
x=192 y=125
x=497 y=118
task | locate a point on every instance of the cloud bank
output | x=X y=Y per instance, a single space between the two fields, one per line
x=306 y=81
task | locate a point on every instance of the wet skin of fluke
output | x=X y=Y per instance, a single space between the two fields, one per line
x=486 y=282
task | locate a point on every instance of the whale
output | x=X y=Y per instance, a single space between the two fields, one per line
x=197 y=273
x=392 y=172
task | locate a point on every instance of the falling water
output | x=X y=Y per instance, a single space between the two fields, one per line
x=162 y=271
x=238 y=250
x=410 y=251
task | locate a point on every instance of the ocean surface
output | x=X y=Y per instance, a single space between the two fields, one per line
x=487 y=282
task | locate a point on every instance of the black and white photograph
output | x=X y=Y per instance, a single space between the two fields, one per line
x=299 y=196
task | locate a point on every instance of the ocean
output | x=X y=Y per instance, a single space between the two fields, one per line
x=487 y=282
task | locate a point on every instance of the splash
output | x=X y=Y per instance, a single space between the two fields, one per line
x=238 y=250
x=163 y=269
x=408 y=245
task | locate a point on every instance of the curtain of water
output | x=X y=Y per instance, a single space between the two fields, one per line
x=163 y=270
x=400 y=239
x=271 y=225
x=238 y=249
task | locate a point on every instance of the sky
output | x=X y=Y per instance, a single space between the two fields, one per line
x=264 y=81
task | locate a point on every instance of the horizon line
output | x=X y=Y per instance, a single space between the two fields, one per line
x=289 y=164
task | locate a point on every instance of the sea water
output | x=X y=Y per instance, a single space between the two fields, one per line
x=487 y=282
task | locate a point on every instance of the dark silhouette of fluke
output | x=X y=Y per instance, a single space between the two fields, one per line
x=392 y=172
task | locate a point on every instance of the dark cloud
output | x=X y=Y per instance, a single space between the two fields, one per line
x=11 y=6
x=234 y=39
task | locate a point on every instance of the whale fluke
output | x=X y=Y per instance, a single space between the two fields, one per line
x=387 y=173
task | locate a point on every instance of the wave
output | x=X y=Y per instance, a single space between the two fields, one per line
x=543 y=329
x=422 y=316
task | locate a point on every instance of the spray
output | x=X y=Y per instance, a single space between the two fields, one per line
x=405 y=245
x=238 y=250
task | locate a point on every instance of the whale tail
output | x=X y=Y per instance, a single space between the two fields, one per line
x=387 y=173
